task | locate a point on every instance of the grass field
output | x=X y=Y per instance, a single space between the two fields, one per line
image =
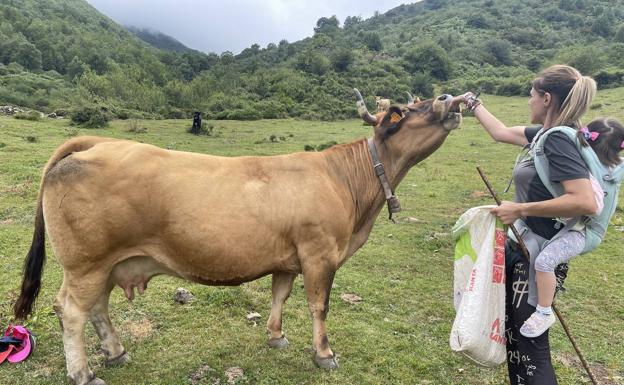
x=398 y=334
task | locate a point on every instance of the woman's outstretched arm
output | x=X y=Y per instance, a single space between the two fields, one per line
x=497 y=129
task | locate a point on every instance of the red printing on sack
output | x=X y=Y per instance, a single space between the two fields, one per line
x=498 y=268
x=473 y=273
x=499 y=256
x=501 y=236
x=495 y=333
x=498 y=274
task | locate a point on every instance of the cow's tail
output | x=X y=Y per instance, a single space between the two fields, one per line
x=33 y=265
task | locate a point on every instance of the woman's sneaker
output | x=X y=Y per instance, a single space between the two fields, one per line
x=537 y=324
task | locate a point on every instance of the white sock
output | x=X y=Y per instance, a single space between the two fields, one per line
x=544 y=310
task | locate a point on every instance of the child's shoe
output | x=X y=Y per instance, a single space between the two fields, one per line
x=537 y=324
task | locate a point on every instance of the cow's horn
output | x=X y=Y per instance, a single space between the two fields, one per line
x=362 y=110
x=410 y=98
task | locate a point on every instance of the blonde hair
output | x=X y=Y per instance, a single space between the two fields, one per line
x=572 y=91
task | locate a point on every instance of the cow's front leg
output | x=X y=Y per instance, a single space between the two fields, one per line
x=317 y=279
x=282 y=286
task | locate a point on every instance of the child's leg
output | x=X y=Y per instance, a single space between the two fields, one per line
x=546 y=285
x=561 y=250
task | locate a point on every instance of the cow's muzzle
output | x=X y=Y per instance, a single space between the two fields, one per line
x=449 y=109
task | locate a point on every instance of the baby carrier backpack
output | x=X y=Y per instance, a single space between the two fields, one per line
x=610 y=179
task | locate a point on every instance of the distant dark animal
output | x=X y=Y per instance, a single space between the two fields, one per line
x=197 y=123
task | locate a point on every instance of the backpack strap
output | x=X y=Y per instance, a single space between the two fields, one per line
x=541 y=161
x=617 y=173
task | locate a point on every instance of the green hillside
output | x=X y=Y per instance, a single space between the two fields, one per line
x=158 y=39
x=65 y=54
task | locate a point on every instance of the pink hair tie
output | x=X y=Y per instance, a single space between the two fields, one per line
x=589 y=135
x=622 y=145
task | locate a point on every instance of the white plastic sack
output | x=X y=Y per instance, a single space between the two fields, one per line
x=479 y=328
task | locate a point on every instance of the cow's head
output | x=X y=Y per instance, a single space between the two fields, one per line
x=382 y=107
x=418 y=130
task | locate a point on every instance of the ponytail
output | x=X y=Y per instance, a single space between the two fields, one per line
x=576 y=103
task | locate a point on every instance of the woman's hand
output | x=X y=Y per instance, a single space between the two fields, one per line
x=508 y=212
x=465 y=97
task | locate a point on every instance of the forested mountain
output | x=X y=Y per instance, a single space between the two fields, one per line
x=158 y=39
x=65 y=54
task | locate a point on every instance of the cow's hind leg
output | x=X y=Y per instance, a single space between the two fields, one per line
x=111 y=344
x=282 y=286
x=77 y=299
x=317 y=279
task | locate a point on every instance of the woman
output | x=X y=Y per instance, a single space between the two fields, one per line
x=560 y=96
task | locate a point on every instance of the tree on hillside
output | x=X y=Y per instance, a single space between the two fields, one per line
x=286 y=49
x=571 y=5
x=422 y=85
x=435 y=4
x=587 y=59
x=76 y=68
x=328 y=25
x=97 y=61
x=18 y=49
x=619 y=35
x=248 y=52
x=603 y=25
x=477 y=20
x=498 y=52
x=428 y=59
x=342 y=59
x=351 y=21
x=227 y=58
x=27 y=55
x=312 y=62
x=372 y=41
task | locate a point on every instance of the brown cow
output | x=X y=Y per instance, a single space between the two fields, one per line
x=119 y=212
x=381 y=112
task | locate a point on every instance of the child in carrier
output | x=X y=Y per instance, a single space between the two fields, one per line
x=606 y=137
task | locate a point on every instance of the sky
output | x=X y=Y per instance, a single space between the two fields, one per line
x=233 y=25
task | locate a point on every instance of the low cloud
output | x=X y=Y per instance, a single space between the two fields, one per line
x=216 y=26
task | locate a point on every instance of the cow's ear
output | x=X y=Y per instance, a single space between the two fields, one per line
x=391 y=122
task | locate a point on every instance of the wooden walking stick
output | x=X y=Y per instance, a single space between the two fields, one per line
x=526 y=255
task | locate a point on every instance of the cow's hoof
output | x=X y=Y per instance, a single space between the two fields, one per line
x=96 y=381
x=123 y=359
x=328 y=363
x=278 y=343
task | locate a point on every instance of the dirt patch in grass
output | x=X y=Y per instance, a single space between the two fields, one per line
x=601 y=373
x=234 y=374
x=42 y=370
x=20 y=189
x=202 y=372
x=351 y=298
x=139 y=330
